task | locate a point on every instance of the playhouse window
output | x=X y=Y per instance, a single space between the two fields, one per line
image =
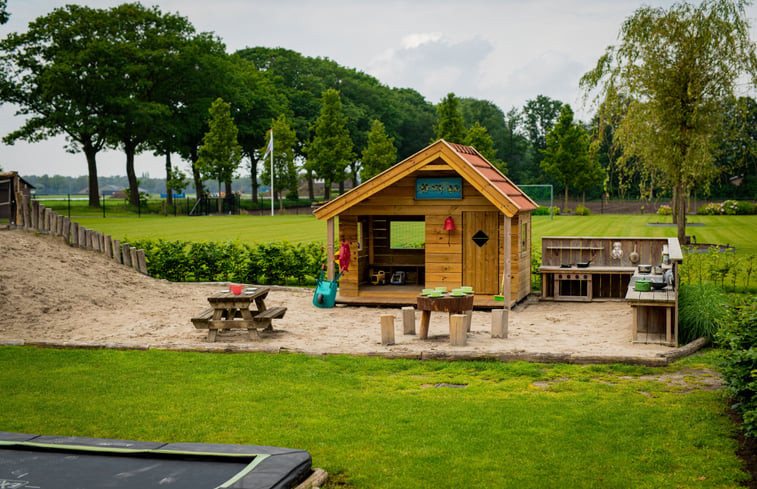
x=407 y=235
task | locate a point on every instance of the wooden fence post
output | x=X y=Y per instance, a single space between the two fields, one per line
x=117 y=251
x=82 y=237
x=127 y=254
x=59 y=225
x=408 y=320
x=27 y=213
x=457 y=331
x=108 y=246
x=387 y=329
x=67 y=230
x=74 y=234
x=141 y=262
x=134 y=259
x=35 y=215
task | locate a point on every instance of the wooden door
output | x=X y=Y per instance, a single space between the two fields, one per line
x=481 y=251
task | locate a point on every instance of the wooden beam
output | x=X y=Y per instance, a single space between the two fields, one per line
x=330 y=248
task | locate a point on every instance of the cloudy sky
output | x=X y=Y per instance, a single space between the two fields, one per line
x=505 y=51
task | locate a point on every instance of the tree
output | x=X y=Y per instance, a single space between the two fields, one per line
x=380 y=152
x=144 y=44
x=55 y=73
x=284 y=170
x=675 y=66
x=478 y=137
x=220 y=153
x=330 y=151
x=450 y=126
x=566 y=157
x=4 y=15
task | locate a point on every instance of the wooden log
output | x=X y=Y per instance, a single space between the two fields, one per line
x=108 y=246
x=141 y=262
x=408 y=320
x=387 y=329
x=127 y=254
x=90 y=239
x=35 y=215
x=46 y=220
x=101 y=242
x=134 y=259
x=468 y=319
x=59 y=225
x=457 y=332
x=75 y=234
x=82 y=237
x=499 y=323
x=117 y=251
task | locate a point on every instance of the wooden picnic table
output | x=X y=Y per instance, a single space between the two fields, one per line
x=246 y=310
x=446 y=303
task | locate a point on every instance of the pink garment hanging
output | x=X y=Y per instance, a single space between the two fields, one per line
x=344 y=256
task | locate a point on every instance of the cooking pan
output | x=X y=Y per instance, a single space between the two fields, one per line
x=658 y=285
x=584 y=264
x=645 y=268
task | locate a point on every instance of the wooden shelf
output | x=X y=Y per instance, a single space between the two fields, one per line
x=590 y=248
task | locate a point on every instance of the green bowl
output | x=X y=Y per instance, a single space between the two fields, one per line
x=441 y=289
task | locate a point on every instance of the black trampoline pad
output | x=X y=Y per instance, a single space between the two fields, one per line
x=45 y=468
x=44 y=462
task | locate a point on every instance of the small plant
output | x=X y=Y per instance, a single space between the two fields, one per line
x=582 y=211
x=701 y=309
x=664 y=210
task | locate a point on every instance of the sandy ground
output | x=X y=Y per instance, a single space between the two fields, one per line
x=52 y=292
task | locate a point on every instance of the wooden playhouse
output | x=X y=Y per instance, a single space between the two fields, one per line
x=442 y=217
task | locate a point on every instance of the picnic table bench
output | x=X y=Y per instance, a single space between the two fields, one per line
x=230 y=311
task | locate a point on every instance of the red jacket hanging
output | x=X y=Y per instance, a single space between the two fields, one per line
x=344 y=256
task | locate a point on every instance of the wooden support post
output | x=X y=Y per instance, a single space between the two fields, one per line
x=90 y=239
x=59 y=225
x=330 y=249
x=108 y=246
x=408 y=320
x=101 y=247
x=141 y=262
x=468 y=319
x=499 y=323
x=117 y=251
x=457 y=332
x=127 y=254
x=134 y=259
x=46 y=221
x=387 y=329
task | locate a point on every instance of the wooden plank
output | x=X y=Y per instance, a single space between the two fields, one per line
x=35 y=214
x=82 y=237
x=117 y=251
x=108 y=246
x=134 y=259
x=141 y=262
x=330 y=249
x=67 y=231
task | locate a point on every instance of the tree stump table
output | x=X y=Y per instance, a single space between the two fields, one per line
x=446 y=303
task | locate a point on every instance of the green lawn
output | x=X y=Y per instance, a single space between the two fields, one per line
x=739 y=231
x=376 y=423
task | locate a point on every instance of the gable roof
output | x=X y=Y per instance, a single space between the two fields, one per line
x=441 y=155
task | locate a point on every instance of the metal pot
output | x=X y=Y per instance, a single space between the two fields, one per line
x=657 y=270
x=645 y=269
x=642 y=285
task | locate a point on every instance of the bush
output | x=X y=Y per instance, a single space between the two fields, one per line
x=664 y=210
x=701 y=309
x=728 y=207
x=738 y=338
x=271 y=263
x=541 y=211
x=582 y=211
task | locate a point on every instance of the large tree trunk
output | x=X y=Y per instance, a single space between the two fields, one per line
x=130 y=148
x=169 y=190
x=326 y=190
x=254 y=179
x=566 y=197
x=680 y=204
x=94 y=188
x=311 y=185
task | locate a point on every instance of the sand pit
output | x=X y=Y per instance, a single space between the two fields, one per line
x=52 y=292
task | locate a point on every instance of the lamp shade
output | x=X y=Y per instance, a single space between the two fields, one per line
x=449 y=224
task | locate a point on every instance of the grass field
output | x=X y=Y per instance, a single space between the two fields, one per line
x=376 y=423
x=739 y=231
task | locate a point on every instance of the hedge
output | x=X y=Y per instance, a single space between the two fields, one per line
x=274 y=263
